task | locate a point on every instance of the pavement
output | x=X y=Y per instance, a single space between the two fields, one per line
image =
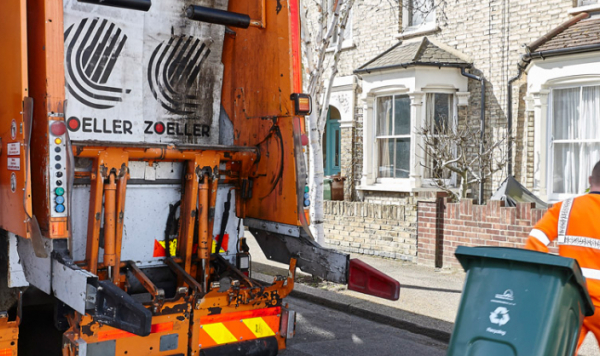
x=429 y=298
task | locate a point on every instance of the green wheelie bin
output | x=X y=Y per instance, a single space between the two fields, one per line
x=519 y=303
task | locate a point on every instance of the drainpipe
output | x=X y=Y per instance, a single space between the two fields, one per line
x=525 y=61
x=482 y=126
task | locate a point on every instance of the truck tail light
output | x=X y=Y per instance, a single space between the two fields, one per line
x=58 y=128
x=302 y=104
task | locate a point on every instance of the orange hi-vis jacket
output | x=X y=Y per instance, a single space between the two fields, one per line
x=575 y=224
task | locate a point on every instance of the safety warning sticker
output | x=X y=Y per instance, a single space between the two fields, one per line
x=13 y=149
x=14 y=164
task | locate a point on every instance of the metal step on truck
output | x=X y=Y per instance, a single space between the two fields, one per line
x=139 y=139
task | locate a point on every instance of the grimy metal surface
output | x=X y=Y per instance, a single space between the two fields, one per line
x=137 y=76
x=257 y=84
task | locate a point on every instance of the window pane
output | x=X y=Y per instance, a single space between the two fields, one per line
x=589 y=127
x=421 y=11
x=402 y=115
x=565 y=104
x=573 y=163
x=384 y=116
x=402 y=157
x=386 y=158
x=441 y=112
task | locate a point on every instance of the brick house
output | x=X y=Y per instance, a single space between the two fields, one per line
x=399 y=68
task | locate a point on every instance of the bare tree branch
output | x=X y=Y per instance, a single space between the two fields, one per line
x=456 y=151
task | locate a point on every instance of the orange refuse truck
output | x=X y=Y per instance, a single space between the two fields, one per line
x=139 y=139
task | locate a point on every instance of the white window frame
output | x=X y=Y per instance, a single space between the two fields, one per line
x=423 y=28
x=585 y=6
x=348 y=41
x=376 y=138
x=549 y=145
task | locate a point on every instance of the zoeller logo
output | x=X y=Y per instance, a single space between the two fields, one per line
x=92 y=49
x=172 y=73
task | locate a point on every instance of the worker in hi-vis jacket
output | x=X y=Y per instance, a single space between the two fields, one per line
x=575 y=224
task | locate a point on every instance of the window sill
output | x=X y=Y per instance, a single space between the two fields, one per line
x=400 y=187
x=403 y=185
x=345 y=46
x=586 y=8
x=410 y=33
x=556 y=197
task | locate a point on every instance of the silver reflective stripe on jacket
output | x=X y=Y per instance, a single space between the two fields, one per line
x=563 y=219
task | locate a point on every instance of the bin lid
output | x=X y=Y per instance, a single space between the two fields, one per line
x=466 y=254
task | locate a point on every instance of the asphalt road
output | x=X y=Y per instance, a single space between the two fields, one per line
x=322 y=331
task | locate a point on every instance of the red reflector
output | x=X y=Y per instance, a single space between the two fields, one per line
x=58 y=128
x=6 y=352
x=304 y=138
x=368 y=280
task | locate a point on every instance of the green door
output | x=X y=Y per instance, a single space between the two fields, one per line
x=333 y=141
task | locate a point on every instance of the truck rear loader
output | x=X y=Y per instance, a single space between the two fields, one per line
x=139 y=139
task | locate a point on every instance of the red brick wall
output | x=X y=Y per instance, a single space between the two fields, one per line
x=443 y=226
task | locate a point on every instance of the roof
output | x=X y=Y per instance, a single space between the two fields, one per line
x=582 y=33
x=424 y=52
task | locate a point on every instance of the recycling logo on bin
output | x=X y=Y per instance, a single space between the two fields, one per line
x=499 y=316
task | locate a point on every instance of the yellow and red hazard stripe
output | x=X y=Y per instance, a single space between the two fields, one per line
x=216 y=330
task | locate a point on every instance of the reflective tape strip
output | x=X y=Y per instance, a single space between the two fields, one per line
x=114 y=334
x=259 y=327
x=563 y=218
x=540 y=236
x=580 y=241
x=591 y=273
x=221 y=318
x=219 y=333
x=256 y=324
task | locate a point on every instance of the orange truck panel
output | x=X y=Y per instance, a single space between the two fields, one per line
x=47 y=88
x=14 y=88
x=257 y=85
